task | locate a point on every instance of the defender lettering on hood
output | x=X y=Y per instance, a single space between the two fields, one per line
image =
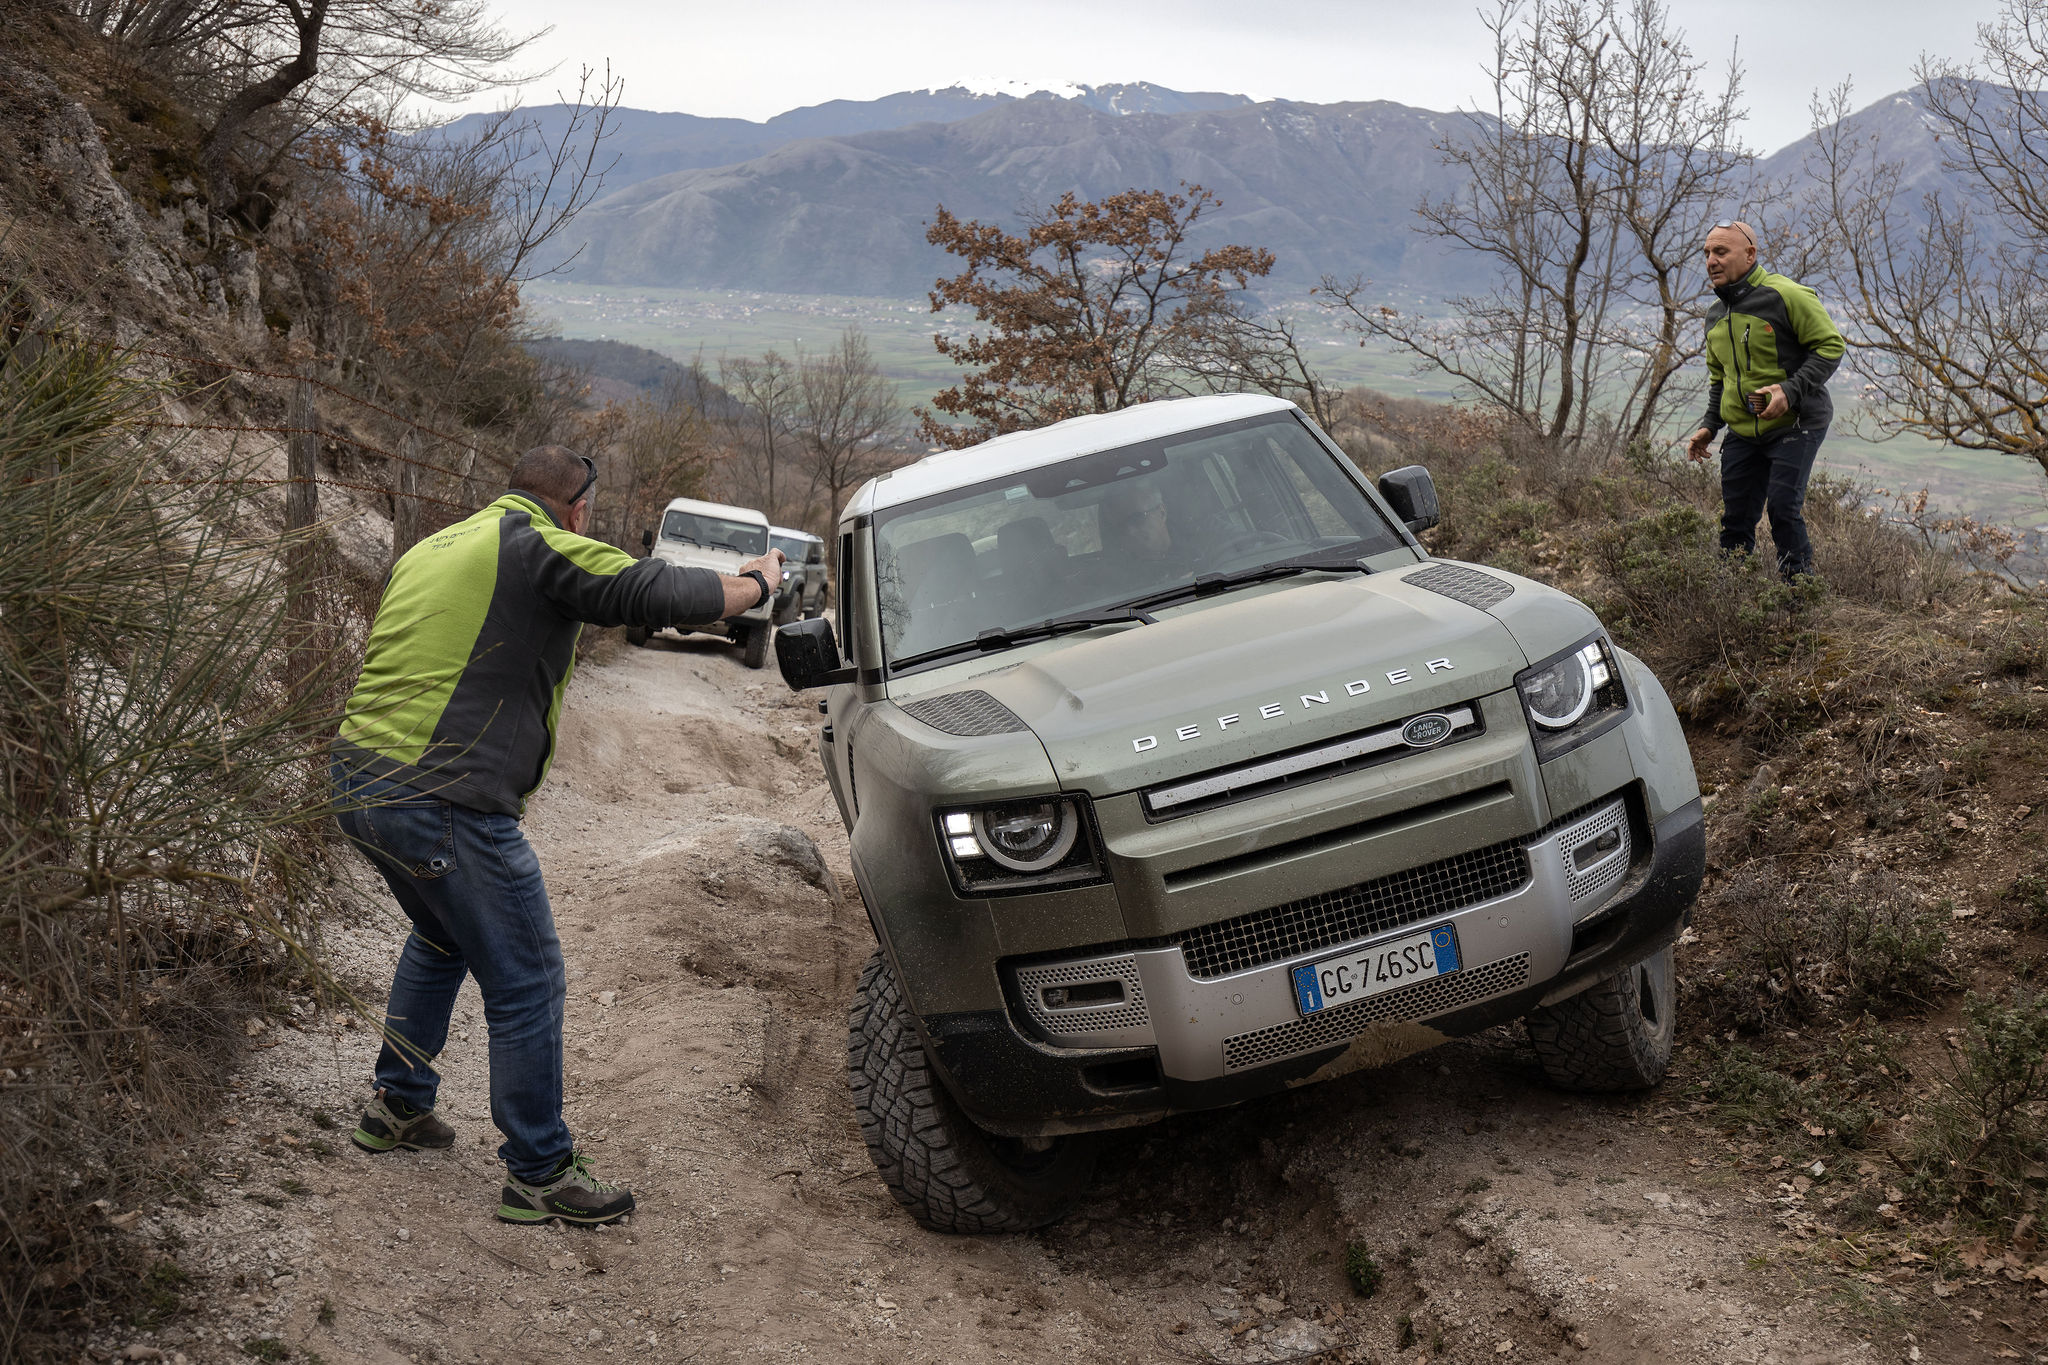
x=1276 y=710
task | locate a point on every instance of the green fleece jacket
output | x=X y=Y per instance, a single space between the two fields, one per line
x=1766 y=329
x=474 y=643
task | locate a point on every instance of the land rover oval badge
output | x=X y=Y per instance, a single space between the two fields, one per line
x=1424 y=732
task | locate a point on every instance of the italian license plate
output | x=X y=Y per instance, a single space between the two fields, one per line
x=1382 y=967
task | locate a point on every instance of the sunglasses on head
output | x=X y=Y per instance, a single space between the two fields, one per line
x=1731 y=223
x=589 y=479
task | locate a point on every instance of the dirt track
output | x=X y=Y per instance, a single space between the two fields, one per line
x=708 y=984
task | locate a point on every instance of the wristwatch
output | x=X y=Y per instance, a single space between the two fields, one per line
x=762 y=579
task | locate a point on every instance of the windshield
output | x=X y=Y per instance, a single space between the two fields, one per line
x=793 y=548
x=1094 y=532
x=715 y=533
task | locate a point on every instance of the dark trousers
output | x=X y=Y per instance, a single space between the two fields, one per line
x=1769 y=473
x=470 y=884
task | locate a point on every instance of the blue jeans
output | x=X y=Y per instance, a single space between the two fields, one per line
x=471 y=886
x=1769 y=473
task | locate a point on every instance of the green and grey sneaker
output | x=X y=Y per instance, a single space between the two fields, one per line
x=390 y=1122
x=571 y=1194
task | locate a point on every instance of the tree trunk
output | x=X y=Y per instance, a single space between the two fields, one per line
x=304 y=65
x=301 y=506
x=405 y=506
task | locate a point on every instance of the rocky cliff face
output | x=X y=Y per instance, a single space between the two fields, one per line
x=130 y=227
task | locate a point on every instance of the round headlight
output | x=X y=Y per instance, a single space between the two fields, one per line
x=1027 y=836
x=1558 y=695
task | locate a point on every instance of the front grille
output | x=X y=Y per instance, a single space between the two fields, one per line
x=1355 y=912
x=1327 y=1028
x=1460 y=584
x=967 y=714
x=1313 y=764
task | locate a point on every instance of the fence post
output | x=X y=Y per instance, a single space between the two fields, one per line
x=405 y=507
x=301 y=507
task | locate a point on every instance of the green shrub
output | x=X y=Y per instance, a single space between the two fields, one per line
x=1983 y=1147
x=1361 y=1269
x=1833 y=1097
x=159 y=864
x=1860 y=943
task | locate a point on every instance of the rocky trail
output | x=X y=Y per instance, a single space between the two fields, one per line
x=700 y=880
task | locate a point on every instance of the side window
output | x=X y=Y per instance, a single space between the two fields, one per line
x=849 y=629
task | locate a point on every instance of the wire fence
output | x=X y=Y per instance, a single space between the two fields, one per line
x=302 y=478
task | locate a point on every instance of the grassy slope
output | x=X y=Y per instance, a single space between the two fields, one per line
x=1872 y=749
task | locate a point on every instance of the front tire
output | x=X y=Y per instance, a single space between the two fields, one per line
x=950 y=1174
x=754 y=646
x=1615 y=1034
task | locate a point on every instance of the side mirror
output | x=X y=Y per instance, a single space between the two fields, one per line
x=808 y=655
x=1412 y=494
x=816 y=555
x=647 y=541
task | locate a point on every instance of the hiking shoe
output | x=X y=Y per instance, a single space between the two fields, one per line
x=390 y=1122
x=571 y=1194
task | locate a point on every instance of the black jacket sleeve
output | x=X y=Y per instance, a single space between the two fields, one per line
x=610 y=588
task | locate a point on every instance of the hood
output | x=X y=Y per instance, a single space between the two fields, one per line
x=700 y=557
x=1258 y=673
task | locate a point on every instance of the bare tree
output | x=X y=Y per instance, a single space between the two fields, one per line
x=650 y=450
x=1585 y=186
x=249 y=56
x=1238 y=352
x=1945 y=294
x=846 y=414
x=769 y=396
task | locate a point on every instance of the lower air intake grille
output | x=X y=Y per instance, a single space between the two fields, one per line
x=1130 y=1012
x=965 y=713
x=1355 y=912
x=1460 y=584
x=1423 y=1000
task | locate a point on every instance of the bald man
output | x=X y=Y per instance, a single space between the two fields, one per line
x=1770 y=350
x=450 y=729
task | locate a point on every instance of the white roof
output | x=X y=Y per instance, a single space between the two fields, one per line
x=792 y=532
x=715 y=509
x=1022 y=450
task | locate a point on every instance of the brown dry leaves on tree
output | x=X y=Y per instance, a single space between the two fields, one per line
x=403 y=257
x=1087 y=310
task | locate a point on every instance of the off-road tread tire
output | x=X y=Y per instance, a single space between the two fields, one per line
x=637 y=636
x=934 y=1160
x=1599 y=1040
x=754 y=648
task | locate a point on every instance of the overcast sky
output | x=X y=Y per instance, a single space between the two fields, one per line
x=751 y=60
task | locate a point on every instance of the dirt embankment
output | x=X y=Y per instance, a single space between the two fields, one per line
x=710 y=956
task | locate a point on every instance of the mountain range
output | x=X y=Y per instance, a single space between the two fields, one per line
x=833 y=198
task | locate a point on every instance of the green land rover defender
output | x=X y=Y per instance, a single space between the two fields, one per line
x=1178 y=773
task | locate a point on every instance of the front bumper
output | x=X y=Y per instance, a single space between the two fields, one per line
x=1172 y=1041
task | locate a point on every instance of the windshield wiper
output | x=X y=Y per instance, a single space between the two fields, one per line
x=1002 y=637
x=1209 y=584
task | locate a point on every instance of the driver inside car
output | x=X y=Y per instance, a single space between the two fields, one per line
x=1137 y=528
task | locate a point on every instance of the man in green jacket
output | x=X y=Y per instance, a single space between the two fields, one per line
x=1770 y=350
x=450 y=729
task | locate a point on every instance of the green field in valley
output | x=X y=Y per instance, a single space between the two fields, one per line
x=687 y=323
